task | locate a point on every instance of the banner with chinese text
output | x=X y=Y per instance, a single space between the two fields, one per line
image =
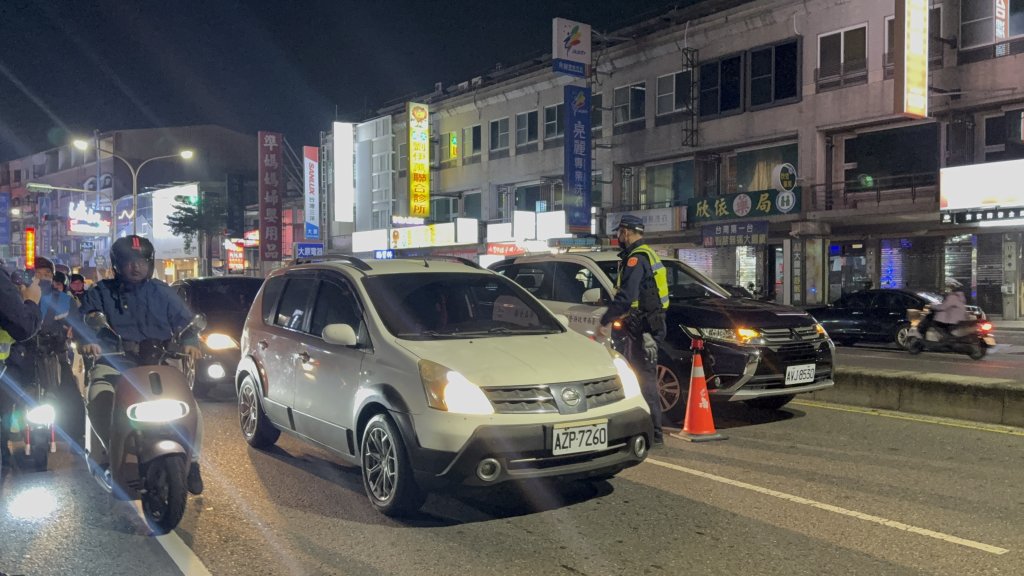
x=311 y=186
x=419 y=159
x=577 y=159
x=270 y=189
x=744 y=205
x=742 y=234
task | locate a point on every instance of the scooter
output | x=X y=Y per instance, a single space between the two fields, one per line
x=140 y=438
x=34 y=417
x=971 y=337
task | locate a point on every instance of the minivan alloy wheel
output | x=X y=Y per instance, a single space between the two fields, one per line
x=380 y=464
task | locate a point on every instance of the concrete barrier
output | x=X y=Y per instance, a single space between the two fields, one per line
x=991 y=400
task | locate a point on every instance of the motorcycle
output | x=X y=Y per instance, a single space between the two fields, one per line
x=972 y=337
x=34 y=417
x=140 y=435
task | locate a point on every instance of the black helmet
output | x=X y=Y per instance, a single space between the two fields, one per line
x=128 y=247
x=60 y=278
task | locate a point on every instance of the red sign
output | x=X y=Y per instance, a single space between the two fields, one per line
x=270 y=188
x=30 y=248
x=236 y=257
x=505 y=249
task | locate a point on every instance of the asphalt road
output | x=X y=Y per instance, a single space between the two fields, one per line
x=1006 y=361
x=809 y=490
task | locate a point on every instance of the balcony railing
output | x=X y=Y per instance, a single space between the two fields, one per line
x=833 y=77
x=892 y=190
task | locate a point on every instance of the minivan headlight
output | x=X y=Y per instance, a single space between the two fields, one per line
x=450 y=391
x=735 y=335
x=630 y=383
x=218 y=341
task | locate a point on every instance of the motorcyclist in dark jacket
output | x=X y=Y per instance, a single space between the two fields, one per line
x=139 y=307
x=19 y=320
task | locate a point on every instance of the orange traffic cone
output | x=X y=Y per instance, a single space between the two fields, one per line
x=699 y=425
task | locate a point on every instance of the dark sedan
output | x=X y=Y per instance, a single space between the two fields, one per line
x=872 y=315
x=225 y=301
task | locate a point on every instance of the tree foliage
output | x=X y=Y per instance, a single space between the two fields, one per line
x=207 y=216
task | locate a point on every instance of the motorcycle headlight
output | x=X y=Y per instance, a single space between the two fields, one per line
x=157 y=411
x=630 y=383
x=450 y=391
x=42 y=415
x=218 y=341
x=734 y=335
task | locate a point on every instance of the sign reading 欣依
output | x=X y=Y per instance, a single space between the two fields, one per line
x=271 y=183
x=742 y=234
x=418 y=117
x=745 y=205
x=577 y=159
x=311 y=186
x=570 y=47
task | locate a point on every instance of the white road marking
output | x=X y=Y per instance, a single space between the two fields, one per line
x=180 y=553
x=836 y=509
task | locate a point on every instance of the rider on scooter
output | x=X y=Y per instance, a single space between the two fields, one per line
x=949 y=313
x=139 y=307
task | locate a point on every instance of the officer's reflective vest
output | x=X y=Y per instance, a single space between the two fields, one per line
x=5 y=345
x=660 y=274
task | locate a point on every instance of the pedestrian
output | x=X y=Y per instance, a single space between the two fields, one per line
x=641 y=299
x=76 y=286
x=60 y=281
x=19 y=320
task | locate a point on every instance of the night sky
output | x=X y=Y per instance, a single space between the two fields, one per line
x=71 y=66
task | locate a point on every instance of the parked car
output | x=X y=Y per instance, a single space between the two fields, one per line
x=758 y=352
x=430 y=372
x=876 y=315
x=225 y=300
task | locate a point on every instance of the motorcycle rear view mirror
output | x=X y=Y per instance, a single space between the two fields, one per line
x=97 y=321
x=197 y=324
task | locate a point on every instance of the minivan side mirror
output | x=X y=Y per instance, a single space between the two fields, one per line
x=592 y=296
x=340 y=334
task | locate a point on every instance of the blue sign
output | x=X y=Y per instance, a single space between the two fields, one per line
x=312 y=250
x=577 y=158
x=5 y=217
x=570 y=68
x=384 y=254
x=312 y=230
x=740 y=234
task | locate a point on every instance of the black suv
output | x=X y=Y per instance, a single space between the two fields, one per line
x=758 y=352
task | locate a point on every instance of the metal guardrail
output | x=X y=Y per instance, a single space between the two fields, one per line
x=922 y=187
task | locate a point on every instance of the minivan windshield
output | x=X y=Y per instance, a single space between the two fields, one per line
x=684 y=283
x=445 y=305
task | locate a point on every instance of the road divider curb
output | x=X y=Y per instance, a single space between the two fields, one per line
x=991 y=400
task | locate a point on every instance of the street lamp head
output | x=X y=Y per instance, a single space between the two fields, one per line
x=187 y=154
x=82 y=145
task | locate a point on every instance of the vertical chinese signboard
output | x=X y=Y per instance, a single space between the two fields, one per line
x=271 y=183
x=577 y=159
x=911 y=71
x=311 y=181
x=419 y=159
x=5 y=219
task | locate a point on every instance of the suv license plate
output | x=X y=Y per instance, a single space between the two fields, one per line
x=576 y=437
x=800 y=374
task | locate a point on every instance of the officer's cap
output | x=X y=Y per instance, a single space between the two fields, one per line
x=632 y=222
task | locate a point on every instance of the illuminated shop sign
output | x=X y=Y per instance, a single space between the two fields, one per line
x=84 y=221
x=419 y=159
x=911 y=61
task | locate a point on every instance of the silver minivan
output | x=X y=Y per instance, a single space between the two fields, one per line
x=432 y=372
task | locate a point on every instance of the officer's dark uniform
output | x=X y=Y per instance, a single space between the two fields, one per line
x=637 y=284
x=19 y=320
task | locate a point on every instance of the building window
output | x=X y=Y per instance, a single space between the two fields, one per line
x=721 y=86
x=775 y=74
x=842 y=58
x=471 y=205
x=526 y=128
x=893 y=158
x=596 y=110
x=674 y=92
x=995 y=138
x=630 y=103
x=403 y=156
x=445 y=144
x=471 y=141
x=444 y=208
x=934 y=43
x=499 y=134
x=554 y=121
x=977 y=26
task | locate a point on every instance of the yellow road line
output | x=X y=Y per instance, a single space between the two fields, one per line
x=996 y=428
x=836 y=509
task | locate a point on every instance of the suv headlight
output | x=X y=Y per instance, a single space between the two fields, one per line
x=218 y=341
x=630 y=383
x=734 y=335
x=821 y=330
x=450 y=391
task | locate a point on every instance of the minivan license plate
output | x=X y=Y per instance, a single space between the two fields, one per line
x=576 y=437
x=800 y=374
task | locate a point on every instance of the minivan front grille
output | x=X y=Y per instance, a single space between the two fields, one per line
x=539 y=400
x=786 y=335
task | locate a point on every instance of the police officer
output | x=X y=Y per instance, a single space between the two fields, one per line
x=19 y=320
x=139 y=307
x=642 y=298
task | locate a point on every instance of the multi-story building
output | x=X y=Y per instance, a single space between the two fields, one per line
x=775 y=117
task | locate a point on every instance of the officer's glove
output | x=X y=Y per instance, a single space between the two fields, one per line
x=650 y=348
